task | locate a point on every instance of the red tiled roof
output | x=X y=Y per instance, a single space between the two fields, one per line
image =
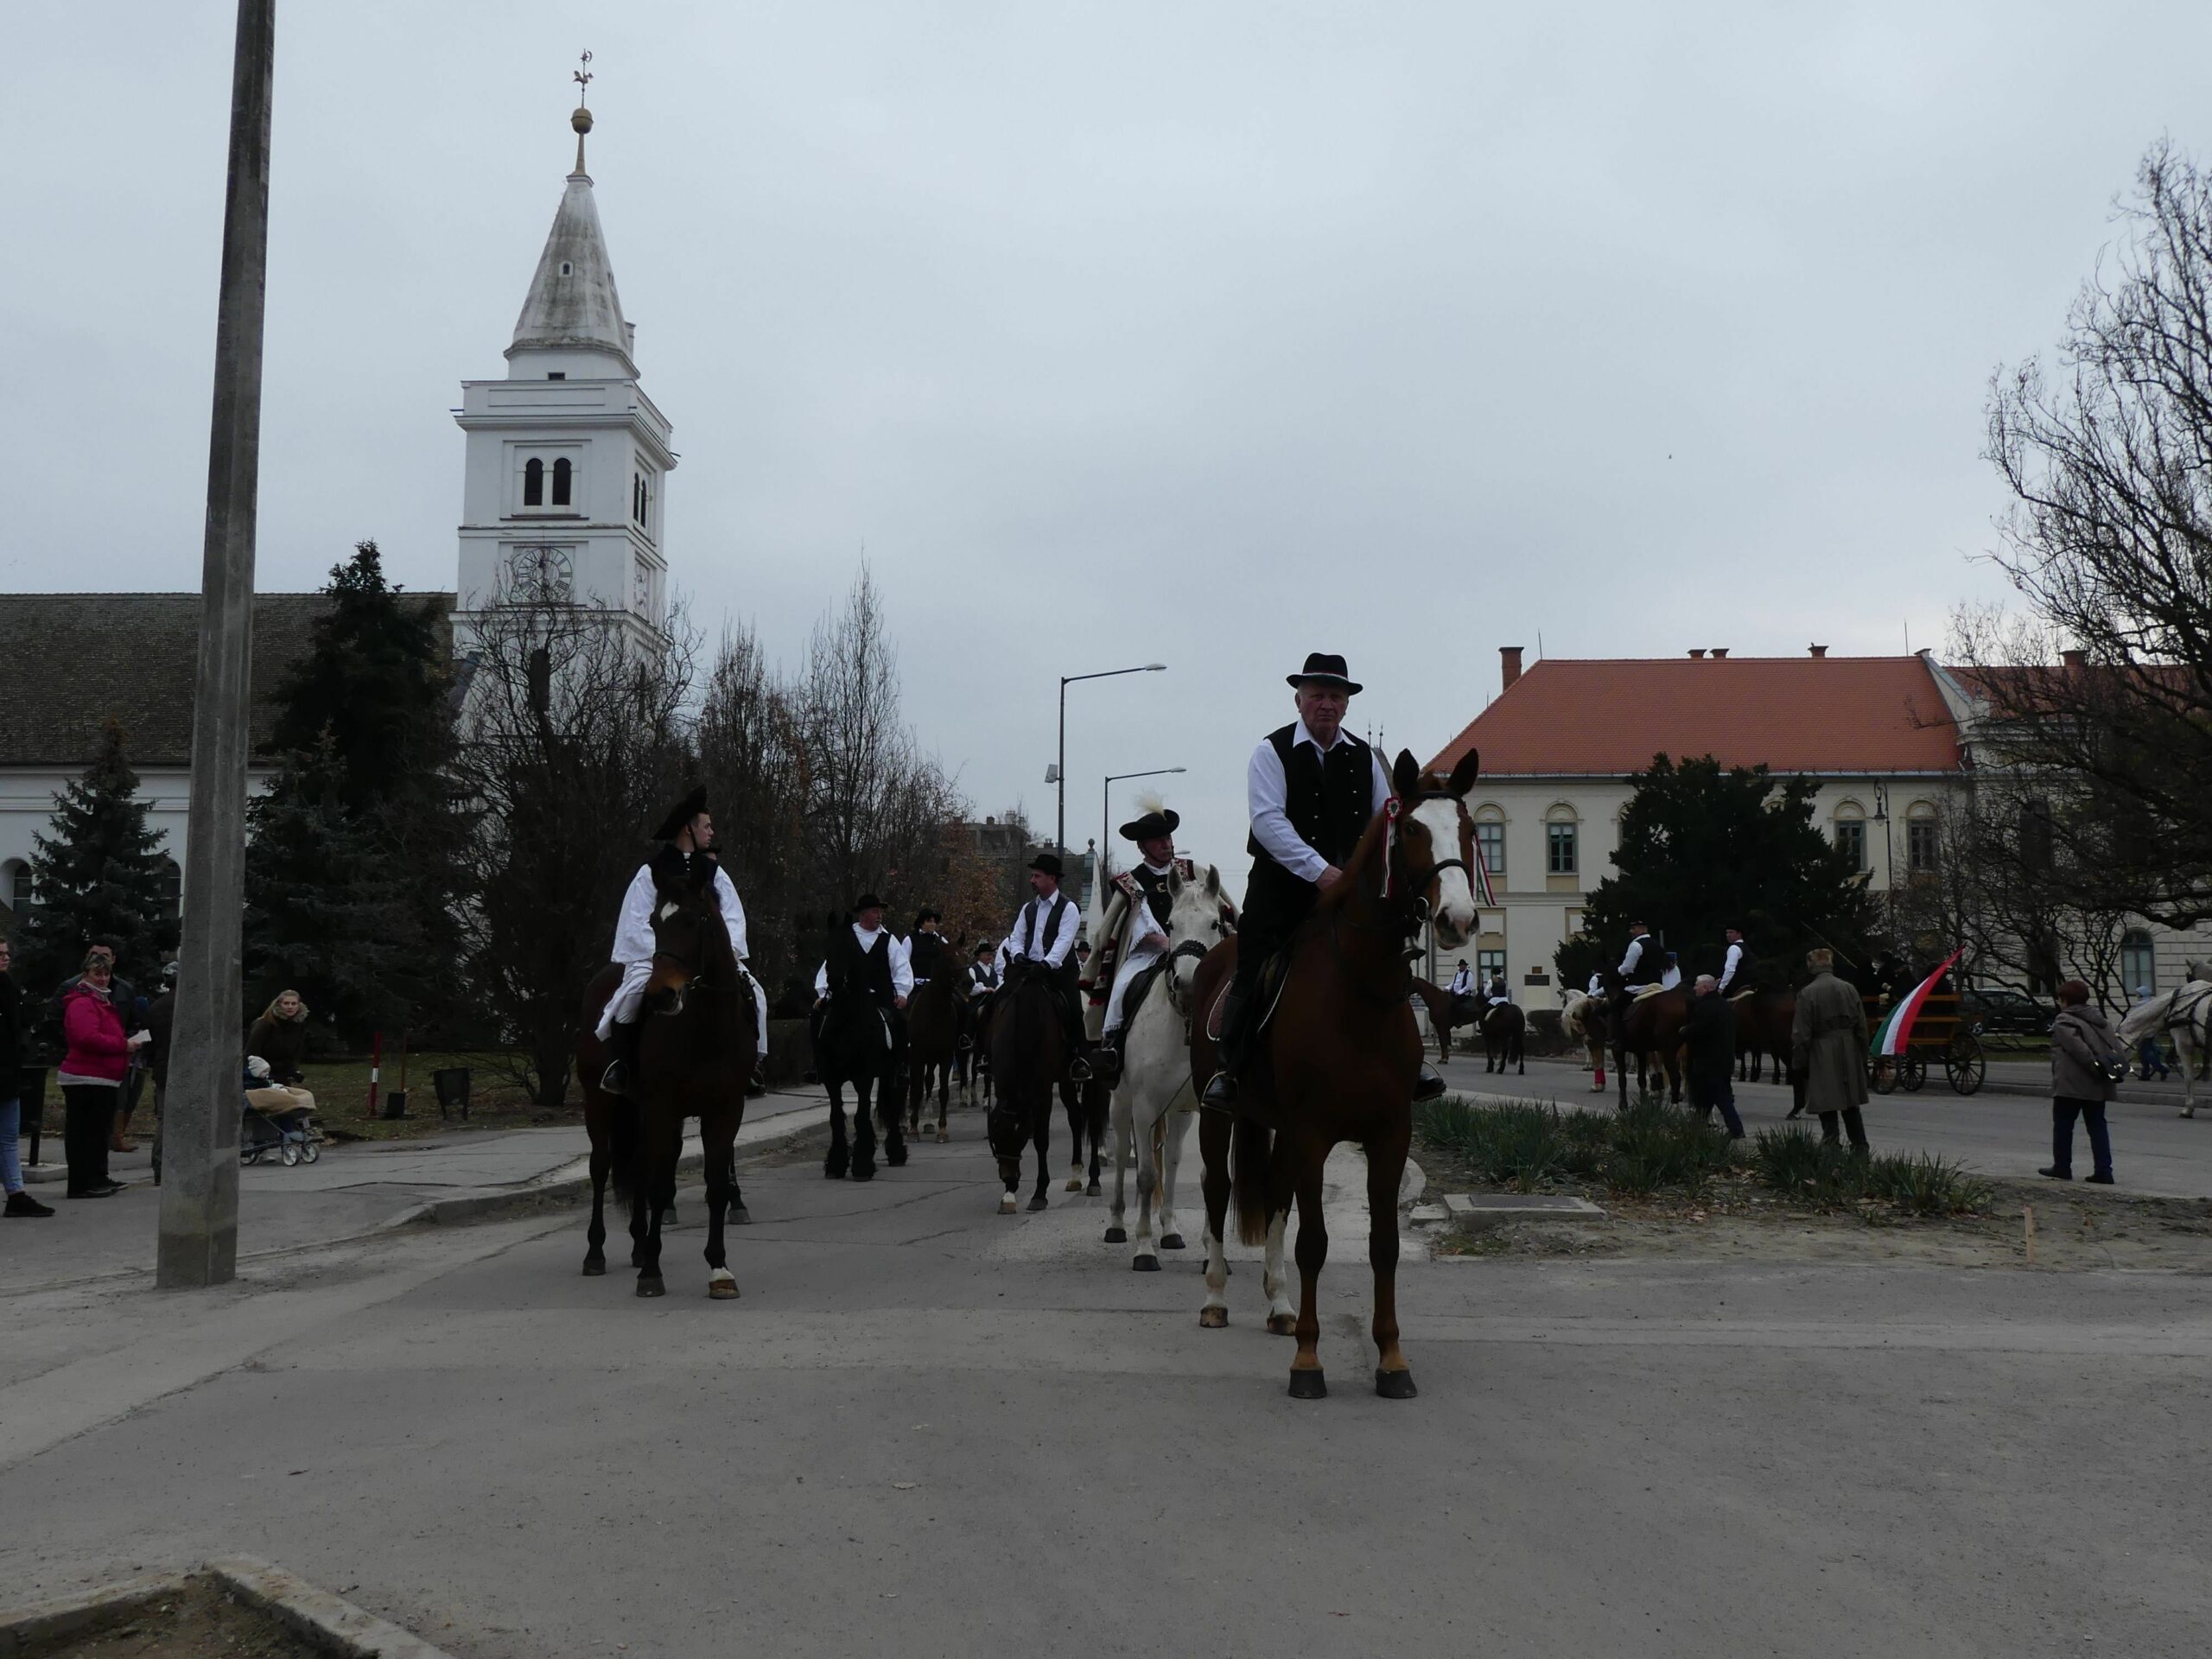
x=1608 y=717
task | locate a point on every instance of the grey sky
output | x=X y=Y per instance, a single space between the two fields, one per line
x=1206 y=333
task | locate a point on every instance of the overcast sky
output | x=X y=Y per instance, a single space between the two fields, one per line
x=1204 y=332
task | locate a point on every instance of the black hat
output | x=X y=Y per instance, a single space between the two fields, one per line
x=1048 y=864
x=1326 y=668
x=867 y=901
x=984 y=947
x=925 y=914
x=1150 y=826
x=681 y=814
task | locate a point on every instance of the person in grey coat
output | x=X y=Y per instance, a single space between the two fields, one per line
x=2080 y=1042
x=1828 y=1048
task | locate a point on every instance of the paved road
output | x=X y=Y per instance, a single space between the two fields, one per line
x=2154 y=1149
x=931 y=1430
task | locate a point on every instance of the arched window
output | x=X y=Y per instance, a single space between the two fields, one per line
x=561 y=473
x=1851 y=833
x=2138 y=962
x=18 y=875
x=1562 y=842
x=1920 y=837
x=533 y=483
x=172 y=888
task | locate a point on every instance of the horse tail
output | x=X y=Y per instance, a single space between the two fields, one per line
x=1253 y=1151
x=624 y=1146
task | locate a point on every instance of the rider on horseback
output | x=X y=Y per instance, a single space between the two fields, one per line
x=1133 y=930
x=687 y=829
x=1311 y=788
x=866 y=965
x=1738 y=969
x=927 y=953
x=1043 y=941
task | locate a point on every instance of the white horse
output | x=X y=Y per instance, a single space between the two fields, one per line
x=1154 y=1100
x=1583 y=1019
x=2185 y=1015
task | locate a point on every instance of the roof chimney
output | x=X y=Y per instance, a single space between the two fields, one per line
x=2075 y=659
x=1719 y=651
x=1696 y=652
x=1508 y=659
x=1817 y=650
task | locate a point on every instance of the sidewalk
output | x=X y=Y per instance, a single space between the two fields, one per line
x=357 y=1187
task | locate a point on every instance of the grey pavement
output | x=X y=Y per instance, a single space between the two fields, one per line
x=356 y=1187
x=2154 y=1150
x=929 y=1429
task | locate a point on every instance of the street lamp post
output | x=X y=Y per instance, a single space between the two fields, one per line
x=1106 y=805
x=1060 y=771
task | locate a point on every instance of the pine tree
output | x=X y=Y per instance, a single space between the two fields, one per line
x=98 y=873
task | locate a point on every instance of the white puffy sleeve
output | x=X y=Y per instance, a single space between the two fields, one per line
x=733 y=911
x=633 y=927
x=902 y=965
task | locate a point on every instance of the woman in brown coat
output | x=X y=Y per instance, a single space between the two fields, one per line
x=2080 y=1042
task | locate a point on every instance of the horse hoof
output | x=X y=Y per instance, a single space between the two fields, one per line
x=942 y=1137
x=668 y=1217
x=1075 y=1184
x=833 y=1172
x=1039 y=1201
x=721 y=1285
x=1094 y=1191
x=1308 y=1385
x=1213 y=1319
x=1117 y=1235
x=1282 y=1325
x=896 y=1159
x=868 y=1174
x=1394 y=1385
x=741 y=1216
x=594 y=1266
x=1145 y=1264
x=1171 y=1241
x=652 y=1285
x=1007 y=1205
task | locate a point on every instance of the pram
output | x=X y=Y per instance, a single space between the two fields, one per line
x=288 y=1133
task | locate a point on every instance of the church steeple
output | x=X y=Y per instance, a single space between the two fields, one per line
x=573 y=315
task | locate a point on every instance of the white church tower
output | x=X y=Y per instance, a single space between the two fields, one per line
x=567 y=456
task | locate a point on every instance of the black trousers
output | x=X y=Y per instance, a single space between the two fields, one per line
x=1275 y=902
x=87 y=1119
x=1851 y=1121
x=2063 y=1110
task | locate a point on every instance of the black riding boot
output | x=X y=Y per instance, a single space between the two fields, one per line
x=1106 y=1058
x=1221 y=1088
x=621 y=1074
x=1429 y=1084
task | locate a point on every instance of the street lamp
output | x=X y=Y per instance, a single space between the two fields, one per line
x=1059 y=776
x=1106 y=805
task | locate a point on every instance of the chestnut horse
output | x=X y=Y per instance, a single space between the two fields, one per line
x=1339 y=1057
x=694 y=1059
x=1652 y=1030
x=1763 y=1019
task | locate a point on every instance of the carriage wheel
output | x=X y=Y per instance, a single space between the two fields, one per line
x=290 y=1153
x=1964 y=1065
x=1882 y=1076
x=1915 y=1073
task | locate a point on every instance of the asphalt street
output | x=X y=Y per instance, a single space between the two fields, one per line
x=929 y=1429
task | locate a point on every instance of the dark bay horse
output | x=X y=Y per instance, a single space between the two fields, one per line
x=1029 y=1060
x=1089 y=1106
x=1439 y=1002
x=933 y=1024
x=1505 y=1030
x=1652 y=1030
x=1338 y=1059
x=854 y=1047
x=1763 y=1022
x=694 y=1059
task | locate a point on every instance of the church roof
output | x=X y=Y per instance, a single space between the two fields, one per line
x=69 y=662
x=572 y=304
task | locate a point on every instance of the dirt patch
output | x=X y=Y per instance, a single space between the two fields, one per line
x=202 y=1620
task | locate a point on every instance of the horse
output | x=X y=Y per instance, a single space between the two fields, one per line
x=1439 y=1002
x=1763 y=1019
x=932 y=1045
x=1505 y=1030
x=1155 y=1098
x=1584 y=1020
x=1087 y=1104
x=1652 y=1028
x=853 y=1045
x=1338 y=1057
x=1029 y=1057
x=2185 y=1015
x=694 y=1059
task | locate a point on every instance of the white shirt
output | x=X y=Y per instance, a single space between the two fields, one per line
x=1671 y=978
x=1267 y=794
x=1597 y=984
x=633 y=927
x=1462 y=982
x=1054 y=951
x=902 y=966
x=1728 y=968
x=1633 y=956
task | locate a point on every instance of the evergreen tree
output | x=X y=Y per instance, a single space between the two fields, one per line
x=327 y=911
x=98 y=873
x=1702 y=849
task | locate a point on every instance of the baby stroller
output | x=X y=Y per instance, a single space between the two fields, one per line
x=288 y=1134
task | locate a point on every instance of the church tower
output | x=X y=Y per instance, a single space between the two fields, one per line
x=566 y=456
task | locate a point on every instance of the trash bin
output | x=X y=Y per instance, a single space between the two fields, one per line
x=395 y=1103
x=451 y=1083
x=30 y=1089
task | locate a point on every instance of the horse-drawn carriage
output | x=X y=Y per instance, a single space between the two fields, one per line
x=1922 y=1029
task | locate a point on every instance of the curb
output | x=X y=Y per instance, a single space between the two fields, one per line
x=23 y=1629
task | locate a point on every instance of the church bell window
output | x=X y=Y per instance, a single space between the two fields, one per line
x=533 y=483
x=563 y=473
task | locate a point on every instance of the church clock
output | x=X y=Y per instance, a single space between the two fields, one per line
x=541 y=572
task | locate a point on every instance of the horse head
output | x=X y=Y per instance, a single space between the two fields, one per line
x=687 y=913
x=1199 y=918
x=1432 y=852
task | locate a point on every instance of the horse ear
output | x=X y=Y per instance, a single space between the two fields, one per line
x=1405 y=776
x=1213 y=879
x=1469 y=768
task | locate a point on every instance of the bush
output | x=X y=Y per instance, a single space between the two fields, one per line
x=1796 y=1161
x=1522 y=1145
x=1926 y=1185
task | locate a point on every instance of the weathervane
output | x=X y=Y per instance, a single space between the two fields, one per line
x=582 y=119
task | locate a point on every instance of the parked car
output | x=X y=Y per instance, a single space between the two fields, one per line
x=2001 y=1009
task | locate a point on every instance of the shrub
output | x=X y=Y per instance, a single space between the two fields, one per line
x=1924 y=1184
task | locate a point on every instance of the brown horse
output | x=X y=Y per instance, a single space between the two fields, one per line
x=1338 y=1059
x=1029 y=1059
x=932 y=1045
x=1652 y=1029
x=1763 y=1019
x=694 y=1057
x=1439 y=1002
x=1505 y=1031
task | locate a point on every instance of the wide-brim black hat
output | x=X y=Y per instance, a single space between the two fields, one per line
x=867 y=901
x=925 y=914
x=1048 y=864
x=1325 y=668
x=1150 y=826
x=681 y=814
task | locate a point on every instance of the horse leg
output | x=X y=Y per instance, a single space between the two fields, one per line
x=894 y=1135
x=1520 y=1053
x=1096 y=1106
x=840 y=1159
x=944 y=1093
x=1040 y=1120
x=738 y=1215
x=1274 y=1283
x=1213 y=1185
x=1072 y=1103
x=718 y=1147
x=1304 y=1159
x=864 y=1128
x=1124 y=1132
x=595 y=1235
x=1146 y=1258
x=663 y=1137
x=1172 y=1124
x=1394 y=1378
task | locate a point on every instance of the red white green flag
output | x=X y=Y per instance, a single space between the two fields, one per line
x=1895 y=1033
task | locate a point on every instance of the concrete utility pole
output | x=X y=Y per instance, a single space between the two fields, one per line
x=200 y=1132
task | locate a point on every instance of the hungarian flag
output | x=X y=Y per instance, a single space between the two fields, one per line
x=1895 y=1033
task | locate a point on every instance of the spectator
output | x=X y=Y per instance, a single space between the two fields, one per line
x=131 y=1007
x=280 y=1039
x=1827 y=1048
x=2082 y=1050
x=19 y=1202
x=2149 y=1056
x=1709 y=1033
x=95 y=1057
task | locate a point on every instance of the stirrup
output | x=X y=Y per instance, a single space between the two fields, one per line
x=1220 y=1094
x=1079 y=1070
x=1428 y=1085
x=615 y=1080
x=1106 y=1064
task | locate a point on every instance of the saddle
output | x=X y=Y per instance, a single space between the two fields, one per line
x=1649 y=992
x=1741 y=996
x=1140 y=986
x=1274 y=972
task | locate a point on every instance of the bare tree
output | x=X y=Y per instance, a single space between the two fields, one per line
x=753 y=760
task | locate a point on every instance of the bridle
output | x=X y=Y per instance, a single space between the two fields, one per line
x=1394 y=809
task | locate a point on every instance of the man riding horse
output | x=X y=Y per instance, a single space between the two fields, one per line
x=928 y=952
x=1311 y=788
x=687 y=829
x=1739 y=970
x=866 y=965
x=1043 y=942
x=1134 y=929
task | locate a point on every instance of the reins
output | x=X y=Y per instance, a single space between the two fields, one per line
x=1400 y=924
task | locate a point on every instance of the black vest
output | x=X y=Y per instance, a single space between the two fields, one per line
x=927 y=954
x=1328 y=801
x=854 y=972
x=1043 y=936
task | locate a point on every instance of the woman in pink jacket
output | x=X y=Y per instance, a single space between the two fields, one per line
x=92 y=1067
